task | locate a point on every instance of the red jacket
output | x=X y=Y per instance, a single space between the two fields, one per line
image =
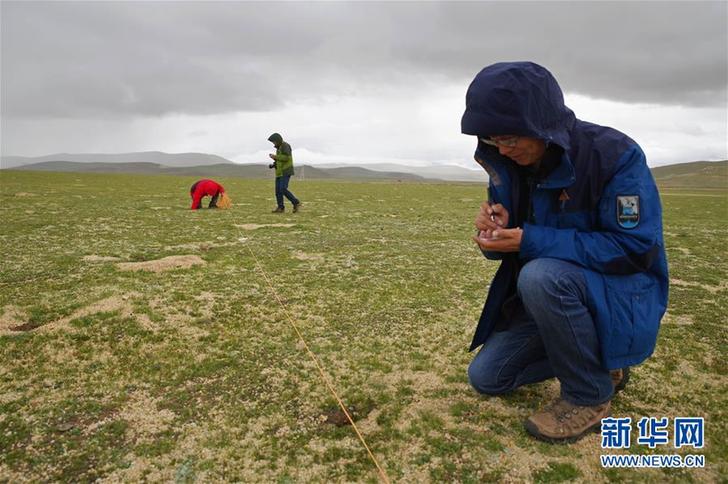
x=204 y=188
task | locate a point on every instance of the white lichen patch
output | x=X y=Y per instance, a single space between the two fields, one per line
x=8 y=397
x=163 y=264
x=11 y=317
x=201 y=246
x=144 y=418
x=681 y=320
x=100 y=258
x=713 y=289
x=259 y=226
x=310 y=257
x=143 y=469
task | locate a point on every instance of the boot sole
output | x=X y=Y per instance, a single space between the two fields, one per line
x=533 y=431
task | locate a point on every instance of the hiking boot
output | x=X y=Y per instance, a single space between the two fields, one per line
x=620 y=378
x=278 y=210
x=564 y=422
x=296 y=207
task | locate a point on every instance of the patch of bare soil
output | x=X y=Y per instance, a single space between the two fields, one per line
x=258 y=226
x=336 y=416
x=108 y=305
x=14 y=320
x=163 y=264
x=25 y=194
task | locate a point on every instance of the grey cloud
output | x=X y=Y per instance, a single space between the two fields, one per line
x=150 y=59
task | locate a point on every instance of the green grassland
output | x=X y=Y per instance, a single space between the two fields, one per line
x=195 y=374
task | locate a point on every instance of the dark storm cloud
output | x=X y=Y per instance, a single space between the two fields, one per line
x=107 y=59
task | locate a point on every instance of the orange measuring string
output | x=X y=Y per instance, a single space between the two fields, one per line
x=382 y=474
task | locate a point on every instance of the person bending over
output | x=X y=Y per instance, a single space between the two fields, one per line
x=205 y=188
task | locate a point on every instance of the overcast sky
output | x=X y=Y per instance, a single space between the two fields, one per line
x=349 y=82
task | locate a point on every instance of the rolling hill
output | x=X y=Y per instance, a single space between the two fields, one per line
x=216 y=170
x=698 y=174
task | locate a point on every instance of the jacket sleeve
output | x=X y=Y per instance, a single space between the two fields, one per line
x=489 y=254
x=196 y=197
x=281 y=158
x=612 y=248
x=285 y=154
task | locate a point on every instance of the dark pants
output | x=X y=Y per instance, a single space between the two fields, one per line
x=213 y=200
x=551 y=334
x=282 y=191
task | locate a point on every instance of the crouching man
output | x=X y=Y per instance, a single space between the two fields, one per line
x=575 y=219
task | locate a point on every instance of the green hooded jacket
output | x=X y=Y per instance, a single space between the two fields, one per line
x=283 y=157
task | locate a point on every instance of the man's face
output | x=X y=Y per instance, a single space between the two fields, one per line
x=525 y=152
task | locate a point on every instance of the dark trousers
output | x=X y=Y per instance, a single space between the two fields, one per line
x=551 y=334
x=282 y=191
x=213 y=201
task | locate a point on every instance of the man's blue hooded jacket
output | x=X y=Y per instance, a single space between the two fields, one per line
x=598 y=208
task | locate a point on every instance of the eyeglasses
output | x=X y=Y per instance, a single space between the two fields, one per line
x=507 y=141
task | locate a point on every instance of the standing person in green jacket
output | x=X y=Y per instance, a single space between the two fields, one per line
x=283 y=163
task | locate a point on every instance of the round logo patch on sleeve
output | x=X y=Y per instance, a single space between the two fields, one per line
x=628 y=211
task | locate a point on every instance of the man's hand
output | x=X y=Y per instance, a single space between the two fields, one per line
x=491 y=217
x=501 y=240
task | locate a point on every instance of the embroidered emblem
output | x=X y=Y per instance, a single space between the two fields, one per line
x=628 y=211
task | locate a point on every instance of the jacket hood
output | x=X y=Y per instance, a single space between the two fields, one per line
x=517 y=98
x=276 y=139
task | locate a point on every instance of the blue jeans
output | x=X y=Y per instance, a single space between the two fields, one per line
x=551 y=334
x=282 y=190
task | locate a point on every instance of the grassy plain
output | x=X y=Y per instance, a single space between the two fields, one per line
x=194 y=374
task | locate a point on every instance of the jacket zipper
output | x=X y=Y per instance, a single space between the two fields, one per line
x=530 y=215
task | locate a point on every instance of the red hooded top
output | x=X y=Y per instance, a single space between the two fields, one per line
x=203 y=188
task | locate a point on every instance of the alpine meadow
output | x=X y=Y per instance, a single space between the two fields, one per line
x=143 y=341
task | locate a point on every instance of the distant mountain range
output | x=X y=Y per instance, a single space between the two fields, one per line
x=439 y=172
x=166 y=159
x=217 y=170
x=200 y=164
x=697 y=174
